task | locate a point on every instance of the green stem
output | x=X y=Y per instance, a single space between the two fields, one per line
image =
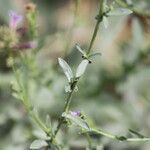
x=66 y=109
x=138 y=11
x=68 y=101
x=108 y=135
x=30 y=111
x=99 y=19
x=89 y=141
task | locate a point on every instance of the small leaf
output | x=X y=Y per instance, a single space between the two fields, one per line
x=66 y=68
x=136 y=133
x=40 y=134
x=94 y=54
x=81 y=68
x=80 y=50
x=68 y=88
x=77 y=120
x=48 y=121
x=120 y=12
x=105 y=22
x=37 y=144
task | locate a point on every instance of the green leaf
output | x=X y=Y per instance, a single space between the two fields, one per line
x=120 y=12
x=137 y=32
x=94 y=54
x=81 y=68
x=48 y=121
x=77 y=120
x=105 y=22
x=66 y=68
x=68 y=88
x=136 y=133
x=37 y=144
x=40 y=134
x=80 y=50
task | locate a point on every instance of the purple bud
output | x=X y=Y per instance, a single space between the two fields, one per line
x=27 y=45
x=75 y=113
x=14 y=19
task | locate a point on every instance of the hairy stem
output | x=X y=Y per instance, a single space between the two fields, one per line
x=99 y=19
x=114 y=137
x=68 y=101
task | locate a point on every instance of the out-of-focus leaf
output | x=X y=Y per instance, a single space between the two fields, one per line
x=40 y=134
x=66 y=68
x=48 y=121
x=81 y=68
x=37 y=144
x=137 y=32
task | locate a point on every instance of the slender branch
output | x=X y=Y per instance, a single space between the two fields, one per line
x=66 y=108
x=68 y=101
x=138 y=11
x=99 y=19
x=89 y=141
x=114 y=137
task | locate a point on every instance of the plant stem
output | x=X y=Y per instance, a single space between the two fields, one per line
x=100 y=18
x=89 y=141
x=145 y=13
x=68 y=101
x=108 y=135
x=66 y=109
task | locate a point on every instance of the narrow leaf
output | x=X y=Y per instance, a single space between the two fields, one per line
x=37 y=144
x=66 y=68
x=95 y=54
x=48 y=121
x=80 y=50
x=81 y=68
x=120 y=12
x=40 y=134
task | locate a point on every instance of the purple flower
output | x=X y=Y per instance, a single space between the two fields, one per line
x=14 y=19
x=75 y=113
x=27 y=45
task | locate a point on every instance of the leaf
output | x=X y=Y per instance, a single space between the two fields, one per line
x=80 y=50
x=40 y=134
x=66 y=68
x=120 y=12
x=68 y=88
x=37 y=144
x=136 y=133
x=81 y=68
x=48 y=121
x=94 y=54
x=77 y=120
x=105 y=22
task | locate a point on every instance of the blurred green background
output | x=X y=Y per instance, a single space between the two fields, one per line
x=115 y=90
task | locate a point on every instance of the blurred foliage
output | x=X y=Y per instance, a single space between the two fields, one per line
x=114 y=91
